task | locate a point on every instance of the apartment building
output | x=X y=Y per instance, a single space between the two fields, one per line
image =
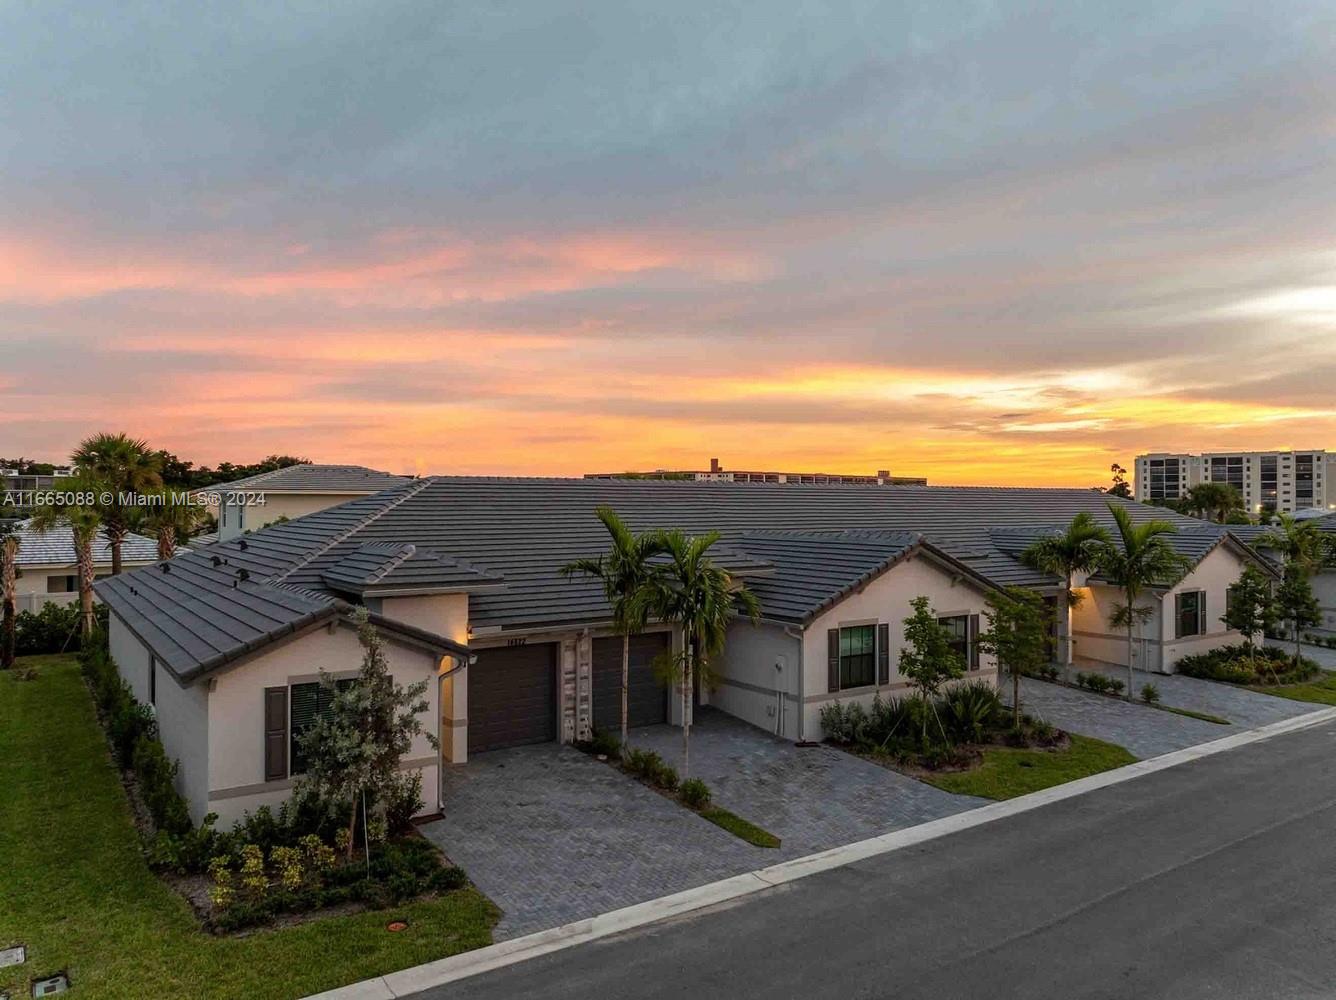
x=718 y=474
x=1285 y=481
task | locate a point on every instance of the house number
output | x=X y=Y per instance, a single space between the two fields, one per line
x=518 y=641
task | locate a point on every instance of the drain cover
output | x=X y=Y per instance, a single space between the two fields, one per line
x=13 y=956
x=51 y=985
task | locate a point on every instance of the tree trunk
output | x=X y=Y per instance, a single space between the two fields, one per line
x=1298 y=649
x=352 y=828
x=166 y=542
x=626 y=682
x=116 y=556
x=1129 y=654
x=8 y=584
x=686 y=709
x=1067 y=631
x=1016 y=697
x=83 y=552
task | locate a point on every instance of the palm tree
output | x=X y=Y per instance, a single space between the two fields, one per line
x=170 y=521
x=1300 y=542
x=83 y=522
x=1214 y=501
x=624 y=570
x=121 y=465
x=9 y=554
x=1140 y=558
x=702 y=597
x=1067 y=554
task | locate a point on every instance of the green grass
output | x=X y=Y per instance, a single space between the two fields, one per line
x=1006 y=773
x=740 y=827
x=1322 y=691
x=74 y=887
x=1204 y=716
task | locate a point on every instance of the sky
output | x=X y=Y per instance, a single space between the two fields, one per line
x=979 y=242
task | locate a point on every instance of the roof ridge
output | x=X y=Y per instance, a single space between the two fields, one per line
x=417 y=487
x=406 y=552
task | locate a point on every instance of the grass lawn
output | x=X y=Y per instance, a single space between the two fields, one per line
x=1006 y=773
x=740 y=827
x=1203 y=716
x=1322 y=690
x=74 y=887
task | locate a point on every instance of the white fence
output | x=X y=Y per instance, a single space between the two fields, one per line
x=34 y=602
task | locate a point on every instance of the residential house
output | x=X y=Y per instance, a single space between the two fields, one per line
x=1324 y=583
x=293 y=491
x=463 y=576
x=47 y=570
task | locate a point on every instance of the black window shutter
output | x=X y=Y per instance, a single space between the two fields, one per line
x=275 y=733
x=832 y=659
x=883 y=653
x=972 y=638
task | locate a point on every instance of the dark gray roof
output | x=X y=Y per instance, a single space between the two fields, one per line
x=525 y=530
x=385 y=569
x=350 y=479
x=56 y=547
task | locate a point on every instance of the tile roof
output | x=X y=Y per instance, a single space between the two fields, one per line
x=507 y=539
x=56 y=547
x=351 y=479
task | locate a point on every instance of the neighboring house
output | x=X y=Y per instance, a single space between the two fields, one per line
x=1324 y=583
x=226 y=640
x=718 y=474
x=291 y=492
x=47 y=567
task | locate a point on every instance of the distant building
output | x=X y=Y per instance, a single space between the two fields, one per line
x=1284 y=481
x=718 y=474
x=12 y=478
x=291 y=492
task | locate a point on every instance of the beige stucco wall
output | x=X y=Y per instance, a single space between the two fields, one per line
x=886 y=599
x=446 y=615
x=1156 y=648
x=276 y=505
x=236 y=715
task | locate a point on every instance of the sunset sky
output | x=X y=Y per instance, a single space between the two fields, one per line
x=984 y=243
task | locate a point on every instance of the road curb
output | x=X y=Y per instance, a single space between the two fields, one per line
x=447 y=970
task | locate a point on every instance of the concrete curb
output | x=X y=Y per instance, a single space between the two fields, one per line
x=447 y=970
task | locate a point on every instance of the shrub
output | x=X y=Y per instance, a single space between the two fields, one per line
x=605 y=744
x=403 y=801
x=666 y=777
x=53 y=629
x=695 y=793
x=1234 y=665
x=1150 y=694
x=157 y=786
x=448 y=879
x=127 y=722
x=845 y=723
x=969 y=710
x=1117 y=686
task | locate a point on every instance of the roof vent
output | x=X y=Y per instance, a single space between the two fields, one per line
x=242 y=545
x=217 y=560
x=243 y=574
x=166 y=567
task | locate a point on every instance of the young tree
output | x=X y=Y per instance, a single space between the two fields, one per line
x=701 y=597
x=121 y=465
x=928 y=660
x=9 y=555
x=170 y=521
x=625 y=570
x=1249 y=609
x=1296 y=604
x=1140 y=558
x=1071 y=552
x=354 y=748
x=1017 y=635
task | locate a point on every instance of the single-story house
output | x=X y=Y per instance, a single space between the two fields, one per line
x=1324 y=583
x=48 y=570
x=293 y=491
x=463 y=575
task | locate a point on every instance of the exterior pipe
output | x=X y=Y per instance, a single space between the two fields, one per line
x=802 y=714
x=460 y=663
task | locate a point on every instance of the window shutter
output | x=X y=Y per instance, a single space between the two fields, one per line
x=883 y=653
x=972 y=639
x=1201 y=614
x=832 y=659
x=275 y=733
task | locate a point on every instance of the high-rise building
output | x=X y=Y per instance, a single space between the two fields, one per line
x=1285 y=481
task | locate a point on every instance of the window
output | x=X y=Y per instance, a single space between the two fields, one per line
x=1190 y=613
x=858 y=655
x=959 y=627
x=307 y=702
x=62 y=584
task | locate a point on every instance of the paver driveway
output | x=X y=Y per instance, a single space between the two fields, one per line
x=552 y=835
x=1240 y=706
x=812 y=798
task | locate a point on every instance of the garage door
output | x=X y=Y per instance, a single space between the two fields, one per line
x=513 y=697
x=647 y=699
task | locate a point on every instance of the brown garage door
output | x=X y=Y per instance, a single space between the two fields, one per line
x=647 y=699
x=513 y=697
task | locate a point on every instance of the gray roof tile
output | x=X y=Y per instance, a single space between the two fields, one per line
x=351 y=479
x=56 y=547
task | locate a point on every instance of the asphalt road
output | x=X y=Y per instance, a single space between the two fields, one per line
x=1213 y=879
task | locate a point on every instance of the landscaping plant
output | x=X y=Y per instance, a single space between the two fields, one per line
x=1250 y=609
x=1296 y=604
x=9 y=554
x=121 y=466
x=1073 y=551
x=625 y=571
x=1017 y=635
x=1140 y=558
x=928 y=661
